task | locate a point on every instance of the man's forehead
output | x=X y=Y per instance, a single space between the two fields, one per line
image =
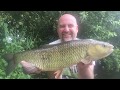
x=65 y=22
x=67 y=19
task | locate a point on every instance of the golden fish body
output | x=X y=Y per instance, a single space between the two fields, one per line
x=58 y=56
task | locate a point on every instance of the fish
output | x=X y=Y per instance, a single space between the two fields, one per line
x=61 y=55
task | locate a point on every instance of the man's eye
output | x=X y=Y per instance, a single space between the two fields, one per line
x=62 y=26
x=70 y=26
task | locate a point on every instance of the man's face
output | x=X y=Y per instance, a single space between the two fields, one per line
x=67 y=28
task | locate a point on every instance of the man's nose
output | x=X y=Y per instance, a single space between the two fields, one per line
x=66 y=29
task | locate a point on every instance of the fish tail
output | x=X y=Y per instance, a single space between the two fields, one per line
x=9 y=58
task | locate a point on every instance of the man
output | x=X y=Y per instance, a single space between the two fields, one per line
x=67 y=30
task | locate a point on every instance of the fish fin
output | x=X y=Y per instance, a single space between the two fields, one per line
x=43 y=46
x=34 y=70
x=87 y=60
x=47 y=46
x=29 y=68
x=11 y=63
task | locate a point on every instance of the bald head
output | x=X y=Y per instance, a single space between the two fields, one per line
x=66 y=17
x=67 y=27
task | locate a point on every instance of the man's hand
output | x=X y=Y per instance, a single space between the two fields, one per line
x=85 y=71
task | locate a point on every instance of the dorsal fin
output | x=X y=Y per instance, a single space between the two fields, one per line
x=52 y=45
x=46 y=46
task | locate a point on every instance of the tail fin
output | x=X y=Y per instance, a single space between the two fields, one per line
x=11 y=63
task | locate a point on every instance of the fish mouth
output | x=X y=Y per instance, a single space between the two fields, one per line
x=111 y=48
x=110 y=51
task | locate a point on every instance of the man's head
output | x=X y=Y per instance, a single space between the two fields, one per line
x=67 y=27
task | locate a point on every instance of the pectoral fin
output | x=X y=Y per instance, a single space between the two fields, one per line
x=87 y=60
x=29 y=68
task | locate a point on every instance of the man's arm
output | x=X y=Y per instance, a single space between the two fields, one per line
x=86 y=71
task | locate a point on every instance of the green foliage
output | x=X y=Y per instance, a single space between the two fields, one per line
x=114 y=63
x=98 y=25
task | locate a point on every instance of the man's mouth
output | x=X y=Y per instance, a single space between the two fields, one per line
x=66 y=35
